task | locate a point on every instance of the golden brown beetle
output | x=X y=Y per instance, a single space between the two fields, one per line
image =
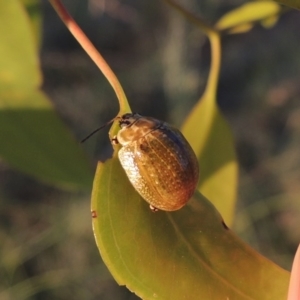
x=158 y=161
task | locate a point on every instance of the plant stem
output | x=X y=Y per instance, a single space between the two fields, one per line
x=92 y=52
x=213 y=77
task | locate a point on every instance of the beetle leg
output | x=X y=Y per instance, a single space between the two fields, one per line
x=114 y=140
x=153 y=209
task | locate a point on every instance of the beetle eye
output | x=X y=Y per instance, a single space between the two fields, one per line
x=128 y=119
x=124 y=123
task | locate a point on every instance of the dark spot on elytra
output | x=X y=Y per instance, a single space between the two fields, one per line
x=144 y=148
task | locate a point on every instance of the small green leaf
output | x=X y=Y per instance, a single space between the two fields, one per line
x=34 y=139
x=210 y=137
x=187 y=254
x=249 y=12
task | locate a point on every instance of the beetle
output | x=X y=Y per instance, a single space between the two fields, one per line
x=158 y=160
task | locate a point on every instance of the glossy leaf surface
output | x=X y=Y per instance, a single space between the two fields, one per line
x=187 y=254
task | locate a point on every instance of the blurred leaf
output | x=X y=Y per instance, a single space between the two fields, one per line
x=33 y=8
x=241 y=28
x=29 y=288
x=187 y=254
x=270 y=22
x=249 y=12
x=34 y=140
x=37 y=142
x=19 y=65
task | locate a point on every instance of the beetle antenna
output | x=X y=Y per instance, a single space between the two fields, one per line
x=96 y=130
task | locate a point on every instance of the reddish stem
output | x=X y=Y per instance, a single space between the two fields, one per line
x=92 y=52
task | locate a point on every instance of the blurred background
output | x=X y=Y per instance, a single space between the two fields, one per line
x=48 y=249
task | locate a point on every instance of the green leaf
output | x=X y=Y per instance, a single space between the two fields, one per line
x=34 y=139
x=249 y=12
x=187 y=254
x=209 y=135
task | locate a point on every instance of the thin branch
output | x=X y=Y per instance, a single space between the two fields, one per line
x=212 y=81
